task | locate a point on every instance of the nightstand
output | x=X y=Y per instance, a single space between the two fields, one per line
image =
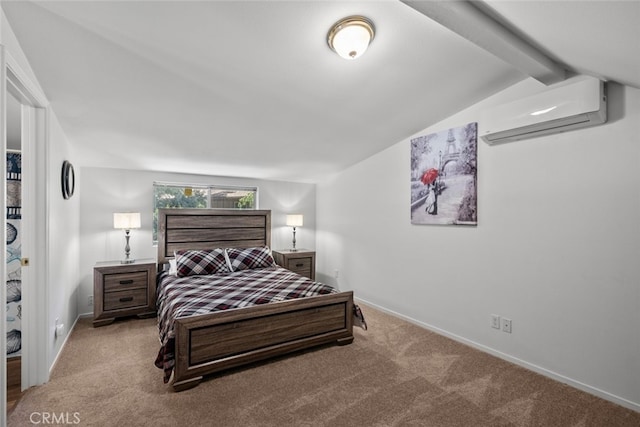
x=301 y=261
x=123 y=290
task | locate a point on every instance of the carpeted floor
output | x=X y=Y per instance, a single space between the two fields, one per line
x=394 y=374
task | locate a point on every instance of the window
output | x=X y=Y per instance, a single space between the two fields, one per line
x=200 y=196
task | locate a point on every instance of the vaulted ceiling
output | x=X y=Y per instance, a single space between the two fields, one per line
x=250 y=88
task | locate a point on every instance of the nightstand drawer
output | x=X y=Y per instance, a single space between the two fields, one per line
x=125 y=299
x=299 y=264
x=125 y=281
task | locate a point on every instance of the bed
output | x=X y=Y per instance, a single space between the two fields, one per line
x=238 y=333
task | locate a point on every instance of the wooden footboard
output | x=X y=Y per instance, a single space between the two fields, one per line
x=213 y=342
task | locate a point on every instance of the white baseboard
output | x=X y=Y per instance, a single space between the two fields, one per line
x=538 y=369
x=63 y=344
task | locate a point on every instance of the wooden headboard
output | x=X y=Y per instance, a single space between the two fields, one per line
x=211 y=228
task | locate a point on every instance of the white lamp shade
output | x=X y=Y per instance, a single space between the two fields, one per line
x=126 y=220
x=350 y=37
x=294 y=220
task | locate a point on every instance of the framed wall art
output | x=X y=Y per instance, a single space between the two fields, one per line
x=444 y=177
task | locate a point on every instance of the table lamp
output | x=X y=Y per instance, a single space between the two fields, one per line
x=294 y=221
x=126 y=221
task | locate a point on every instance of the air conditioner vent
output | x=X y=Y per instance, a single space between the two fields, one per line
x=572 y=106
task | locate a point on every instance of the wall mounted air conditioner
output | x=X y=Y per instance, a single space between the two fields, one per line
x=559 y=109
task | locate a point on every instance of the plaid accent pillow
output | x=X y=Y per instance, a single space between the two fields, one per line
x=197 y=262
x=245 y=259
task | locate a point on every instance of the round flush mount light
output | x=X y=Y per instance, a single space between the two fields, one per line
x=350 y=37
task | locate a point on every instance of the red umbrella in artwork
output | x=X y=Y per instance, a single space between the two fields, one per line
x=429 y=176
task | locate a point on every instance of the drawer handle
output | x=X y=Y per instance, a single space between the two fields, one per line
x=126 y=282
x=126 y=299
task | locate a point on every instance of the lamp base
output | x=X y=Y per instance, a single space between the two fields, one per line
x=127 y=261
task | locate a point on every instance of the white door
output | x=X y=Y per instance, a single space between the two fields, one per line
x=14 y=81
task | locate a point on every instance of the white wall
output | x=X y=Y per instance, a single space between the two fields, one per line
x=63 y=240
x=556 y=249
x=105 y=191
x=9 y=40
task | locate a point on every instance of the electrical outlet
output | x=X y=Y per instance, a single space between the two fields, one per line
x=90 y=300
x=336 y=274
x=495 y=321
x=506 y=325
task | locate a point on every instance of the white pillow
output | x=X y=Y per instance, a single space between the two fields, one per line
x=173 y=268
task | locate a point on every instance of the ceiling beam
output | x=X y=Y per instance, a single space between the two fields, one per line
x=470 y=22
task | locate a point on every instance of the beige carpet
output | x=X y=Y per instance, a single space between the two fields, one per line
x=395 y=374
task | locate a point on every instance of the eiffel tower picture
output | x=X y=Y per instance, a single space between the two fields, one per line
x=443 y=177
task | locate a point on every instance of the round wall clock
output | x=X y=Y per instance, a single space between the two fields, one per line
x=68 y=180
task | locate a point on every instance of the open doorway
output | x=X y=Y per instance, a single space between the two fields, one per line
x=16 y=83
x=14 y=250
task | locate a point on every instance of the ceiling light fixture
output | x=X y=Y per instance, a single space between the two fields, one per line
x=350 y=37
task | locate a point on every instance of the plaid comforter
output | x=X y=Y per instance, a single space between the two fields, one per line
x=194 y=295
